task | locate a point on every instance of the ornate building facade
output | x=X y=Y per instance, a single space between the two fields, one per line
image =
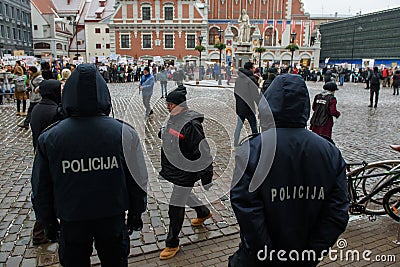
x=170 y=29
x=165 y=28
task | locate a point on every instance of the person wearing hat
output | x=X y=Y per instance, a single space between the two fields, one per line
x=35 y=78
x=185 y=159
x=324 y=107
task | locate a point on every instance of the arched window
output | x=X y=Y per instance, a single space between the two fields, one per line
x=268 y=37
x=59 y=46
x=213 y=36
x=42 y=46
x=235 y=33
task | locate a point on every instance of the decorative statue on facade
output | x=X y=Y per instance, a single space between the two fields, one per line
x=244 y=29
x=318 y=35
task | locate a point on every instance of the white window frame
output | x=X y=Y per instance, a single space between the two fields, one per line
x=173 y=41
x=141 y=11
x=151 y=40
x=120 y=40
x=186 y=40
x=173 y=11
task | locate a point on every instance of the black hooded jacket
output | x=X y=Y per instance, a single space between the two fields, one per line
x=184 y=133
x=246 y=92
x=289 y=187
x=47 y=110
x=88 y=166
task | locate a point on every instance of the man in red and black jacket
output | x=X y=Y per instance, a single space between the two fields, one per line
x=185 y=159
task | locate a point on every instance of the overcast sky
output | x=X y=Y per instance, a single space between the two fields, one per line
x=347 y=7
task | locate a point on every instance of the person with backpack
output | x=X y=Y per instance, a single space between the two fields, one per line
x=324 y=107
x=396 y=82
x=35 y=78
x=20 y=84
x=375 y=86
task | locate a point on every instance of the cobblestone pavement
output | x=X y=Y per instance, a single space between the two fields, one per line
x=361 y=133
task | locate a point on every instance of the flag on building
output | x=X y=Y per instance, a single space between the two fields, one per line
x=293 y=26
x=312 y=26
x=303 y=24
x=265 y=25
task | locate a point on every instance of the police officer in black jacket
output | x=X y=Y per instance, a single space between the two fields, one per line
x=291 y=196
x=88 y=170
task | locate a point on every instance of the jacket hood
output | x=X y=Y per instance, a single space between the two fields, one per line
x=86 y=93
x=245 y=72
x=288 y=100
x=51 y=89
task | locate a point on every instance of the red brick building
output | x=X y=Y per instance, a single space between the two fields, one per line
x=166 y=28
x=170 y=29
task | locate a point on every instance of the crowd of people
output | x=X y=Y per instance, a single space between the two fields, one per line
x=77 y=203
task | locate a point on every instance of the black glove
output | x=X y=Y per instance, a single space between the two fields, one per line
x=52 y=231
x=134 y=223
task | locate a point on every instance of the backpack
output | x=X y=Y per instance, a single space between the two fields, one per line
x=375 y=78
x=321 y=114
x=19 y=82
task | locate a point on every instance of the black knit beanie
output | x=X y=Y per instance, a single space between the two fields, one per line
x=177 y=96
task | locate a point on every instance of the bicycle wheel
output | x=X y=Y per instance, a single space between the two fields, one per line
x=391 y=203
x=368 y=184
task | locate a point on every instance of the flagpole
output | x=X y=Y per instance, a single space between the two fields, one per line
x=273 y=23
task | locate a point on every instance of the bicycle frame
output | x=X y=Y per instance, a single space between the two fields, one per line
x=393 y=178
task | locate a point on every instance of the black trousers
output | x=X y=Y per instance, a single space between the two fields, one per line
x=179 y=197
x=19 y=105
x=373 y=92
x=395 y=90
x=29 y=114
x=110 y=236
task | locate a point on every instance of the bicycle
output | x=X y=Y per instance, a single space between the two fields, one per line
x=374 y=188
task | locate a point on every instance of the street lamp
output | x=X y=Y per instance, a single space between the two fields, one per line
x=220 y=31
x=200 y=69
x=359 y=28
x=259 y=63
x=292 y=38
x=75 y=24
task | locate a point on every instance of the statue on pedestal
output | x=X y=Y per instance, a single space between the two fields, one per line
x=244 y=27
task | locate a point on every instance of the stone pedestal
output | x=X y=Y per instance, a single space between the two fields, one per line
x=243 y=54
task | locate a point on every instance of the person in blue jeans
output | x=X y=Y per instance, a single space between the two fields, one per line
x=146 y=87
x=247 y=97
x=342 y=73
x=162 y=76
